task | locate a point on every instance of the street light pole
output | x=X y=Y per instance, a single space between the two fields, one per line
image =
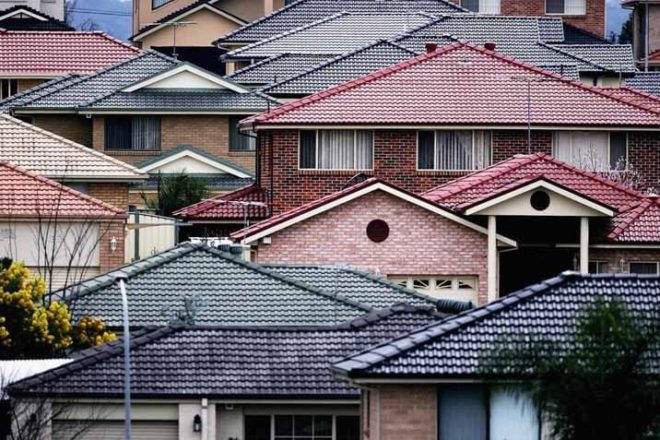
x=121 y=279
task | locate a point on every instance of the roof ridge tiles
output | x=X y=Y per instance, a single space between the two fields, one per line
x=38 y=87
x=632 y=214
x=259 y=63
x=571 y=55
x=204 y=205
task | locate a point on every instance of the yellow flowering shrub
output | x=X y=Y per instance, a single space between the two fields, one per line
x=30 y=328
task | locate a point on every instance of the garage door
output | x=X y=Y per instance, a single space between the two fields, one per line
x=152 y=430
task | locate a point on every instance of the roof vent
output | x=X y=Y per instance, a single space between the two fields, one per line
x=431 y=47
x=490 y=46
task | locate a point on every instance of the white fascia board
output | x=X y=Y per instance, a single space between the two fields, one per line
x=364 y=191
x=187 y=153
x=185 y=67
x=545 y=185
x=259 y=126
x=23 y=11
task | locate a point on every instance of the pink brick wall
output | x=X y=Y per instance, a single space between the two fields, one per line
x=420 y=242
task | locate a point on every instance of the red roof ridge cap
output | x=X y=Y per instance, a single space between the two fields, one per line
x=204 y=205
x=632 y=214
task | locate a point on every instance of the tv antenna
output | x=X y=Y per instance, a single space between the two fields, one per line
x=175 y=25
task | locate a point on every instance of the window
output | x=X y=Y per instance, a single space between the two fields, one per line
x=336 y=150
x=591 y=150
x=302 y=427
x=454 y=150
x=482 y=6
x=8 y=87
x=462 y=288
x=133 y=133
x=566 y=7
x=598 y=267
x=240 y=141
x=158 y=3
x=644 y=267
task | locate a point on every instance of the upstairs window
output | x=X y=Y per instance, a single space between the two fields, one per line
x=8 y=87
x=482 y=6
x=336 y=150
x=644 y=267
x=132 y=133
x=566 y=7
x=591 y=150
x=158 y=3
x=239 y=141
x=454 y=150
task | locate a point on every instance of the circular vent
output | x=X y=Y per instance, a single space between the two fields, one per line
x=540 y=200
x=378 y=231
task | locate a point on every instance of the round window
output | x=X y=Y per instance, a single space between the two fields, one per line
x=378 y=231
x=540 y=200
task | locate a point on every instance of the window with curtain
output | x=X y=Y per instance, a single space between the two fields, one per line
x=566 y=7
x=456 y=150
x=591 y=150
x=336 y=149
x=482 y=6
x=133 y=133
x=644 y=267
x=239 y=141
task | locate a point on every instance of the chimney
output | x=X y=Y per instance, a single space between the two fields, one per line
x=490 y=46
x=431 y=47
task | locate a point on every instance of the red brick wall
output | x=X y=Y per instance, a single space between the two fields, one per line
x=618 y=259
x=398 y=412
x=420 y=242
x=115 y=194
x=108 y=258
x=644 y=156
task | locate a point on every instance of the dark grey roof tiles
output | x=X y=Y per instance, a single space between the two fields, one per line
x=228 y=362
x=455 y=347
x=566 y=70
x=277 y=68
x=648 y=82
x=341 y=69
x=575 y=35
x=303 y=12
x=24 y=22
x=614 y=57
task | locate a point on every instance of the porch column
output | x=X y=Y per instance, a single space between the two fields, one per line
x=492 y=258
x=584 y=244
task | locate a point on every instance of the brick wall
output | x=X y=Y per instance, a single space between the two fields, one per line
x=420 y=242
x=644 y=156
x=115 y=194
x=108 y=258
x=208 y=133
x=28 y=83
x=397 y=412
x=73 y=127
x=618 y=259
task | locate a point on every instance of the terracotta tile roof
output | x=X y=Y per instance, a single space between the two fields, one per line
x=484 y=184
x=461 y=84
x=59 y=53
x=634 y=95
x=639 y=224
x=24 y=194
x=227 y=206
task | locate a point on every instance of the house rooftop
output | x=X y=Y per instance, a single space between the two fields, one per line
x=648 y=82
x=277 y=68
x=25 y=18
x=229 y=206
x=638 y=224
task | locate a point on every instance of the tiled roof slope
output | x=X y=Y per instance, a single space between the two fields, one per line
x=277 y=68
x=614 y=57
x=648 y=82
x=303 y=12
x=341 y=69
x=335 y=34
x=576 y=35
x=225 y=362
x=57 y=158
x=454 y=348
x=404 y=95
x=11 y=22
x=58 y=53
x=24 y=194
x=639 y=224
x=228 y=206
x=484 y=184
x=634 y=96
x=362 y=287
x=227 y=290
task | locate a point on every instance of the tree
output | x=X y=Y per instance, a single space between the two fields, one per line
x=175 y=192
x=30 y=328
x=603 y=383
x=625 y=37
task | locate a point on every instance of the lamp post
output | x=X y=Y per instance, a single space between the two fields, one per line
x=121 y=279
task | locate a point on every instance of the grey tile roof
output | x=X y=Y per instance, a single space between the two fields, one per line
x=343 y=68
x=227 y=362
x=278 y=67
x=615 y=57
x=575 y=35
x=567 y=70
x=362 y=287
x=222 y=182
x=648 y=82
x=454 y=348
x=228 y=290
x=302 y=12
x=335 y=34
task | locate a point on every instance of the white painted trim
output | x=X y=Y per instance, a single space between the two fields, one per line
x=158 y=112
x=257 y=126
x=185 y=67
x=219 y=12
x=188 y=153
x=23 y=11
x=584 y=245
x=379 y=186
x=535 y=185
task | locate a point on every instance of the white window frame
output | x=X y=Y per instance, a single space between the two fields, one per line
x=657 y=265
x=499 y=7
x=313 y=414
x=609 y=145
x=435 y=153
x=454 y=290
x=564 y=13
x=9 y=82
x=597 y=263
x=316 y=158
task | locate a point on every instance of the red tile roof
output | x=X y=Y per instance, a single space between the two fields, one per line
x=59 y=53
x=462 y=84
x=639 y=224
x=506 y=175
x=633 y=95
x=227 y=206
x=24 y=194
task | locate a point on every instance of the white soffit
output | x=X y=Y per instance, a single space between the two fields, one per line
x=192 y=163
x=24 y=12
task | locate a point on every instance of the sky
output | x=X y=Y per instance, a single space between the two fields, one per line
x=114 y=16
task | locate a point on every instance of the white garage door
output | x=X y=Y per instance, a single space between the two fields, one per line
x=114 y=430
